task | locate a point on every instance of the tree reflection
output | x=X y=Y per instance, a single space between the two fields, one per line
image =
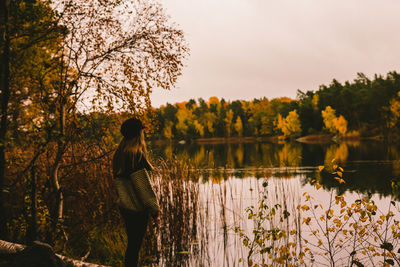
x=337 y=152
x=369 y=166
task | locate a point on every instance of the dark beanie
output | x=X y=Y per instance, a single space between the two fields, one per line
x=131 y=128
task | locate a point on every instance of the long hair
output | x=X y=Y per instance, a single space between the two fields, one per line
x=129 y=152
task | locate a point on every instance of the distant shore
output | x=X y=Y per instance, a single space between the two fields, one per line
x=316 y=139
x=308 y=139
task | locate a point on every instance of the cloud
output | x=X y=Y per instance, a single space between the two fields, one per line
x=241 y=49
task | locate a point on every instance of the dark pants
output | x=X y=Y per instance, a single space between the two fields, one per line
x=136 y=225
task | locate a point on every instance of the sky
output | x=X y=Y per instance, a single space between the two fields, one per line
x=245 y=49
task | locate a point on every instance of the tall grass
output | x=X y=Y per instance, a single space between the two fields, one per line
x=175 y=238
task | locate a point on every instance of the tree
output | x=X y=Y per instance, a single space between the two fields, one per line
x=228 y=122
x=290 y=126
x=108 y=55
x=394 y=111
x=29 y=37
x=167 y=131
x=340 y=124
x=261 y=117
x=329 y=116
x=332 y=123
x=198 y=127
x=209 y=120
x=5 y=95
x=238 y=126
x=309 y=112
x=113 y=54
x=185 y=118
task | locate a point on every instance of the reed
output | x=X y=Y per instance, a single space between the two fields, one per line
x=177 y=189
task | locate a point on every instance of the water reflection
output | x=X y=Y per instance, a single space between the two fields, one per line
x=227 y=178
x=369 y=166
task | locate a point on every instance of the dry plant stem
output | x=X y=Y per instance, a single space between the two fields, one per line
x=388 y=219
x=330 y=248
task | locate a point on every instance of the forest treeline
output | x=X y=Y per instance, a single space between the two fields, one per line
x=364 y=107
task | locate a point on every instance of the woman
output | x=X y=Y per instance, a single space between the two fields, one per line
x=129 y=160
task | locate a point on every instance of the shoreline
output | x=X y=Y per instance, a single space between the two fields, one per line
x=307 y=139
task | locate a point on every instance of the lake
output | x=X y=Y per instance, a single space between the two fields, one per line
x=231 y=177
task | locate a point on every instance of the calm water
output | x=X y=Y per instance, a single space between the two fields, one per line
x=231 y=176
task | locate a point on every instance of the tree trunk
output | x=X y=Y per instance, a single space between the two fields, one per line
x=5 y=96
x=31 y=234
x=8 y=248
x=59 y=206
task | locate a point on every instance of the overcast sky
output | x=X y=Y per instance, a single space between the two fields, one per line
x=245 y=49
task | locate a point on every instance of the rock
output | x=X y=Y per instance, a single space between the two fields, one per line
x=37 y=255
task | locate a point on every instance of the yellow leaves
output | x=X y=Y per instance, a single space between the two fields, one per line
x=340 y=124
x=315 y=101
x=238 y=125
x=198 y=127
x=372 y=208
x=339 y=199
x=329 y=212
x=390 y=214
x=184 y=117
x=340 y=180
x=337 y=222
x=305 y=207
x=320 y=168
x=228 y=122
x=328 y=116
x=290 y=126
x=167 y=131
x=395 y=110
x=343 y=221
x=332 y=123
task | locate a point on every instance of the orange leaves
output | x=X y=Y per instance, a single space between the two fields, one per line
x=305 y=207
x=306 y=220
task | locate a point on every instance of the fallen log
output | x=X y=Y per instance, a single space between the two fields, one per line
x=41 y=253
